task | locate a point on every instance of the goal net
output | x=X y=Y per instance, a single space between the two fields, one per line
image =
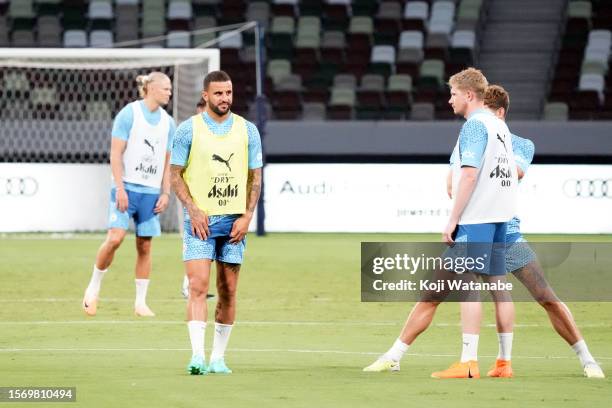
x=57 y=105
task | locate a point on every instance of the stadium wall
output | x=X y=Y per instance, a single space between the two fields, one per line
x=320 y=197
x=558 y=142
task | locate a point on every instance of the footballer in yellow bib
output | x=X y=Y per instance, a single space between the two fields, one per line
x=217 y=168
x=216 y=174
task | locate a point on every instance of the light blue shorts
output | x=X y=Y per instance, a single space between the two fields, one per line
x=216 y=246
x=484 y=243
x=518 y=252
x=140 y=207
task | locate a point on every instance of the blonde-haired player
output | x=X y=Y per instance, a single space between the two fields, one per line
x=522 y=262
x=484 y=192
x=140 y=153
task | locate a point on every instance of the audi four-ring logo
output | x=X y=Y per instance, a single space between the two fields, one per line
x=18 y=186
x=588 y=188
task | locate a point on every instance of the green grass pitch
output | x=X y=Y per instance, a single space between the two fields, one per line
x=301 y=340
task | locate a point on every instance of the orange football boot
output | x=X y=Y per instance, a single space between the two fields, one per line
x=502 y=369
x=468 y=369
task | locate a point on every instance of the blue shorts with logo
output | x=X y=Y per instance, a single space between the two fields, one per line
x=485 y=242
x=216 y=246
x=518 y=252
x=140 y=207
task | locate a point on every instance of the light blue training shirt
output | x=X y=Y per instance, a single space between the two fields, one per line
x=122 y=126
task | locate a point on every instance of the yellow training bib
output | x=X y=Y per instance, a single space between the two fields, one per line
x=217 y=168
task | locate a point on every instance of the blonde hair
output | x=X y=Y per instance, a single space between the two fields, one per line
x=143 y=81
x=470 y=79
x=497 y=97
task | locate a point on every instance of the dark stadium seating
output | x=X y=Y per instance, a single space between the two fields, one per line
x=313 y=41
x=581 y=78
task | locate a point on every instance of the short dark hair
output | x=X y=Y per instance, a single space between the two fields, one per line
x=216 y=76
x=201 y=103
x=496 y=97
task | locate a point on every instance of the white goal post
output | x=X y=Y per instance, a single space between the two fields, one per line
x=57 y=105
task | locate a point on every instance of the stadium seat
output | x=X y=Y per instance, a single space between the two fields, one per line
x=410 y=47
x=16 y=85
x=468 y=14
x=44 y=102
x=398 y=96
x=333 y=44
x=178 y=39
x=75 y=39
x=579 y=10
x=361 y=30
x=431 y=74
x=259 y=11
x=313 y=111
x=286 y=99
x=388 y=23
x=592 y=82
x=463 y=45
x=345 y=81
x=179 y=10
x=203 y=23
x=555 y=111
x=278 y=69
x=280 y=38
x=370 y=97
x=98 y=111
x=100 y=9
x=341 y=104
x=101 y=39
x=21 y=9
x=594 y=67
x=382 y=60
x=422 y=111
x=416 y=14
x=23 y=38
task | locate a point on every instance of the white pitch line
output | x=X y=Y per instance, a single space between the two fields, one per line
x=302 y=351
x=256 y=323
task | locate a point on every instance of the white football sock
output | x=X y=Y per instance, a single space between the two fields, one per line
x=505 y=346
x=469 y=351
x=222 y=335
x=396 y=352
x=93 y=289
x=582 y=351
x=141 y=291
x=197 y=328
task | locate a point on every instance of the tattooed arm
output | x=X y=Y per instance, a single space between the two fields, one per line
x=241 y=225
x=199 y=219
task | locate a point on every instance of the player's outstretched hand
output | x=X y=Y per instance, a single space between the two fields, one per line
x=199 y=223
x=240 y=229
x=122 y=200
x=162 y=203
x=447 y=235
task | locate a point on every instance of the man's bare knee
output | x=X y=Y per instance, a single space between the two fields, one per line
x=114 y=240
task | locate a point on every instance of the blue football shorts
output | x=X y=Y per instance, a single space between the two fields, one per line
x=216 y=246
x=480 y=245
x=140 y=207
x=518 y=252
